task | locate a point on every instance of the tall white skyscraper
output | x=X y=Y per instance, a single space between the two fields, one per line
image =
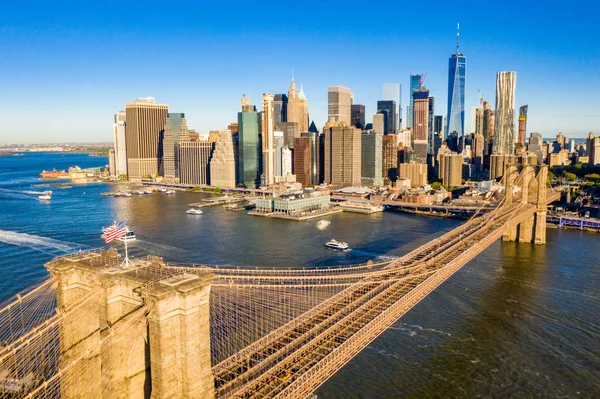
x=504 y=131
x=120 y=144
x=268 y=123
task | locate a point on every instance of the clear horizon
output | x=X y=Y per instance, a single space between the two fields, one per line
x=68 y=68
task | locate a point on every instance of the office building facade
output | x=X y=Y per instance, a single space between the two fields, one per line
x=342 y=154
x=358 y=116
x=504 y=130
x=388 y=109
x=175 y=131
x=457 y=72
x=389 y=158
x=249 y=147
x=145 y=123
x=223 y=162
x=280 y=103
x=303 y=160
x=421 y=124
x=267 y=127
x=371 y=159
x=195 y=158
x=339 y=104
x=415 y=84
x=120 y=145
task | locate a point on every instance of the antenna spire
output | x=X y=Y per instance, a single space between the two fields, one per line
x=457 y=38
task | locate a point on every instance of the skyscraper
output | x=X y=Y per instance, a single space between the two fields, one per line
x=175 y=131
x=522 y=123
x=389 y=158
x=297 y=107
x=278 y=144
x=195 y=159
x=430 y=131
x=339 y=102
x=415 y=84
x=489 y=122
x=358 y=116
x=302 y=111
x=388 y=109
x=371 y=162
x=303 y=160
x=120 y=167
x=393 y=92
x=421 y=124
x=267 y=125
x=438 y=124
x=379 y=123
x=249 y=146
x=342 y=154
x=222 y=164
x=145 y=122
x=280 y=104
x=457 y=70
x=504 y=131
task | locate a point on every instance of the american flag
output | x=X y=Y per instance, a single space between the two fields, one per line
x=115 y=231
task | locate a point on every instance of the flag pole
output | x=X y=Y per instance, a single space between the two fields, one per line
x=126 y=254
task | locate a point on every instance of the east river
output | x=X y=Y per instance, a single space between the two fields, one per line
x=519 y=321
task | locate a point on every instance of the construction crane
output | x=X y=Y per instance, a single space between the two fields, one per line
x=422 y=80
x=480 y=98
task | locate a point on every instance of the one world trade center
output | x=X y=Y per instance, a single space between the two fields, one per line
x=457 y=71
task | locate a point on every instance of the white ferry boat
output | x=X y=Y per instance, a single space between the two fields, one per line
x=45 y=197
x=194 y=211
x=338 y=245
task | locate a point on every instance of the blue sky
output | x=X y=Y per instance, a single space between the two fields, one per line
x=66 y=67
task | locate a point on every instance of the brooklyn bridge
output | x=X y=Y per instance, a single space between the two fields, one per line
x=97 y=329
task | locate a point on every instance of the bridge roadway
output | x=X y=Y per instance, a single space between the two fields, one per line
x=296 y=358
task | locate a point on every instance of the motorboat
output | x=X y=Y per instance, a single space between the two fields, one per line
x=193 y=211
x=147 y=192
x=162 y=190
x=139 y=192
x=129 y=236
x=45 y=197
x=169 y=192
x=337 y=245
x=125 y=194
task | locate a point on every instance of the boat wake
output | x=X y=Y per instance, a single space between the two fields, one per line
x=38 y=243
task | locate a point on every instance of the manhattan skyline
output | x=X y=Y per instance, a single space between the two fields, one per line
x=68 y=69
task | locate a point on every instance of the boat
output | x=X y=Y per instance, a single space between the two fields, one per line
x=45 y=197
x=193 y=211
x=338 y=245
x=162 y=190
x=125 y=194
x=129 y=236
x=168 y=192
x=147 y=192
x=139 y=192
x=323 y=224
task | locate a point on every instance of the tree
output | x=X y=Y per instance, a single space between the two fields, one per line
x=570 y=176
x=436 y=185
x=594 y=177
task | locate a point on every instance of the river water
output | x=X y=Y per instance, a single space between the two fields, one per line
x=519 y=321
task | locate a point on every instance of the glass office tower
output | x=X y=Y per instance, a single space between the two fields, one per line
x=457 y=70
x=415 y=84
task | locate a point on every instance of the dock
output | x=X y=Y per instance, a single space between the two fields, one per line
x=360 y=207
x=216 y=201
x=299 y=218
